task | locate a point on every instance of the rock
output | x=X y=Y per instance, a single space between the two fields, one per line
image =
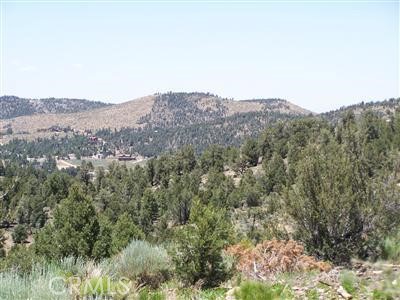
x=377 y=272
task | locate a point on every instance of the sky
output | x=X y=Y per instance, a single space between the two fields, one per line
x=319 y=55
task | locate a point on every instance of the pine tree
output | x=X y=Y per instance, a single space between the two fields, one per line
x=198 y=255
x=150 y=171
x=396 y=129
x=330 y=203
x=266 y=144
x=20 y=234
x=218 y=189
x=75 y=228
x=148 y=211
x=84 y=172
x=103 y=246
x=212 y=157
x=249 y=190
x=275 y=174
x=186 y=160
x=180 y=194
x=124 y=231
x=2 y=168
x=250 y=152
x=2 y=242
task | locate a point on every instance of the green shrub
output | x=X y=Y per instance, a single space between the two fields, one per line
x=349 y=281
x=312 y=294
x=331 y=203
x=387 y=293
x=198 y=254
x=213 y=294
x=21 y=259
x=72 y=266
x=391 y=248
x=389 y=289
x=141 y=261
x=259 y=291
x=146 y=294
x=20 y=234
x=75 y=227
x=124 y=231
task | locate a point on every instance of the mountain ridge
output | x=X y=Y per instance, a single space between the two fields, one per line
x=158 y=110
x=170 y=120
x=383 y=108
x=160 y=123
x=13 y=106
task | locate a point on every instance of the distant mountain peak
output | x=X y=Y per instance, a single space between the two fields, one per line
x=13 y=106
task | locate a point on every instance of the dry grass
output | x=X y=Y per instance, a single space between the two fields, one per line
x=281 y=106
x=122 y=115
x=242 y=107
x=273 y=257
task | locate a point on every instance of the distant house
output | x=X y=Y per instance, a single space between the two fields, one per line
x=71 y=156
x=125 y=157
x=93 y=139
x=39 y=161
x=99 y=156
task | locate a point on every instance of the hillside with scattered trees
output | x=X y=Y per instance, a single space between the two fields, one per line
x=12 y=106
x=307 y=209
x=383 y=108
x=165 y=111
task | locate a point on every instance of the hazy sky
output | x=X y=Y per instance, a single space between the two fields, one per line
x=318 y=55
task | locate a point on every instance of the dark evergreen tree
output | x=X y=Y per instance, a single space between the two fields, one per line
x=275 y=174
x=212 y=158
x=75 y=229
x=2 y=168
x=199 y=248
x=250 y=152
x=330 y=203
x=124 y=231
x=103 y=246
x=20 y=234
x=148 y=211
x=2 y=242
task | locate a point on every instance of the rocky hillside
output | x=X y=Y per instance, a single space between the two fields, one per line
x=12 y=106
x=160 y=110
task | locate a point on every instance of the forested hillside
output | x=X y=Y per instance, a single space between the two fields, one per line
x=164 y=111
x=148 y=126
x=231 y=131
x=289 y=209
x=178 y=119
x=151 y=141
x=382 y=108
x=180 y=109
x=12 y=106
x=183 y=109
